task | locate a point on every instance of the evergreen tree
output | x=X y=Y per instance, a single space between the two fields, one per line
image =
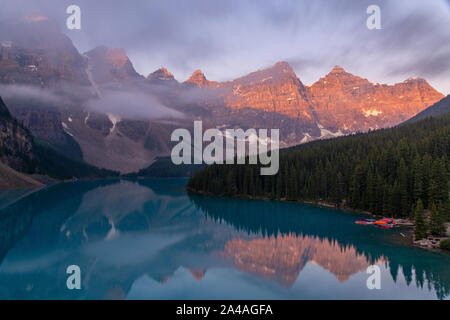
x=426 y=173
x=403 y=188
x=420 y=228
x=435 y=221
x=417 y=183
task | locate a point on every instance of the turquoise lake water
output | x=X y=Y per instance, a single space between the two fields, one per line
x=149 y=239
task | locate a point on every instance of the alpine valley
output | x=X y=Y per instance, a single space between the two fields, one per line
x=94 y=205
x=95 y=109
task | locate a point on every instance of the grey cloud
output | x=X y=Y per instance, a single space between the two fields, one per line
x=229 y=38
x=132 y=105
x=126 y=104
x=28 y=94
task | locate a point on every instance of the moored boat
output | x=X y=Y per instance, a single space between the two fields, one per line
x=365 y=221
x=385 y=223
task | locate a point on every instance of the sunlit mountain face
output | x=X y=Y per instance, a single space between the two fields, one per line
x=149 y=239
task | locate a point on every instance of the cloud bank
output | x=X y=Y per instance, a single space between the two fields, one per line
x=230 y=38
x=132 y=105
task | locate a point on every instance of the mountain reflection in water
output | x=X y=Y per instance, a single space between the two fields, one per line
x=149 y=239
x=282 y=258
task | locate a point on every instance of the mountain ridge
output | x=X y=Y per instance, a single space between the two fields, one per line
x=439 y=108
x=272 y=97
x=337 y=101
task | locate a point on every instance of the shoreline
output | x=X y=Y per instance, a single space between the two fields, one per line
x=423 y=244
x=323 y=204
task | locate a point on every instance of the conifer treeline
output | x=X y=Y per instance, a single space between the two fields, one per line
x=385 y=172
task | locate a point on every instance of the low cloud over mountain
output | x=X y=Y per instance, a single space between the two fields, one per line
x=132 y=105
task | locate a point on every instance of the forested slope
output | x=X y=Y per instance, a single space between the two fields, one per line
x=385 y=172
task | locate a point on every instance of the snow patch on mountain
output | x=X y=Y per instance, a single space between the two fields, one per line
x=372 y=112
x=114 y=120
x=306 y=138
x=66 y=129
x=326 y=134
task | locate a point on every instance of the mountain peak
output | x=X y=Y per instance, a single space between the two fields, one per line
x=282 y=65
x=414 y=80
x=117 y=57
x=338 y=69
x=161 y=74
x=198 y=78
x=198 y=73
x=340 y=74
x=277 y=72
x=421 y=84
x=34 y=18
x=111 y=65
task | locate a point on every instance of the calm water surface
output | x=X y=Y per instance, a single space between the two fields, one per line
x=149 y=239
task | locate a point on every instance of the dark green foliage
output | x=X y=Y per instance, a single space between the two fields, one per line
x=4 y=112
x=437 y=220
x=55 y=164
x=445 y=244
x=163 y=167
x=70 y=148
x=385 y=172
x=420 y=226
x=15 y=143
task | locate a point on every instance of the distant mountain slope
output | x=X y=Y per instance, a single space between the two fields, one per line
x=27 y=154
x=37 y=53
x=438 y=109
x=38 y=63
x=11 y=179
x=52 y=162
x=163 y=167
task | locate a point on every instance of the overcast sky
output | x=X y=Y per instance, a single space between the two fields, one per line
x=230 y=38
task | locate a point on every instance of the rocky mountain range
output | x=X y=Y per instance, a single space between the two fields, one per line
x=349 y=103
x=95 y=107
x=339 y=102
